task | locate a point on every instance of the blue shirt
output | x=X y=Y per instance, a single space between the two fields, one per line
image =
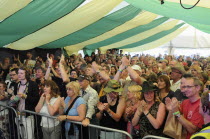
x=73 y=111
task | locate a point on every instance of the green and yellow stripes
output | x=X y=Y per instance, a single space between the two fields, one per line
x=126 y=37
x=141 y=19
x=202 y=3
x=76 y=20
x=156 y=43
x=174 y=10
x=103 y=25
x=33 y=17
x=9 y=7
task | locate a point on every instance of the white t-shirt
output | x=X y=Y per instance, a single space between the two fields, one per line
x=48 y=122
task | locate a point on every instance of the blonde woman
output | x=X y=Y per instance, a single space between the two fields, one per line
x=74 y=110
x=49 y=104
x=132 y=103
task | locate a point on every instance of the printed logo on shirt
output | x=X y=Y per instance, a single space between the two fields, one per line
x=189 y=115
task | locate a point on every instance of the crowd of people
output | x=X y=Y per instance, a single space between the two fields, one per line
x=134 y=94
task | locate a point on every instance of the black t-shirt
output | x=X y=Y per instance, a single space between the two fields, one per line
x=107 y=120
x=61 y=85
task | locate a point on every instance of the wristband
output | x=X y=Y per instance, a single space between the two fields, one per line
x=49 y=67
x=120 y=70
x=176 y=113
x=66 y=117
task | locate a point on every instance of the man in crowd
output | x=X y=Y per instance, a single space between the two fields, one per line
x=188 y=112
x=175 y=77
x=91 y=98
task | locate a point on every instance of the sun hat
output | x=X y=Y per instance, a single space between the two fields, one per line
x=113 y=86
x=136 y=67
x=148 y=86
x=83 y=77
x=180 y=68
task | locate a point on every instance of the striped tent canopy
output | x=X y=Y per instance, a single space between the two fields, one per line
x=132 y=25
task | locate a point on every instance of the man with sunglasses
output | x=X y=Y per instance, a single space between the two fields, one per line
x=187 y=113
x=175 y=78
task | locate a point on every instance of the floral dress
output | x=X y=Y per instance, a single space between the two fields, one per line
x=146 y=127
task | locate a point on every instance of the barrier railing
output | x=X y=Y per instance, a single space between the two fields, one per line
x=91 y=132
x=154 y=137
x=8 y=123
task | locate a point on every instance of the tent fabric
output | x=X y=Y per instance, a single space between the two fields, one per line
x=9 y=7
x=174 y=10
x=169 y=28
x=141 y=19
x=202 y=3
x=92 y=24
x=33 y=17
x=90 y=13
x=103 y=25
x=130 y=35
x=158 y=42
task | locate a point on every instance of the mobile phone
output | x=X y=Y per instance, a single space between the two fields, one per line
x=208 y=86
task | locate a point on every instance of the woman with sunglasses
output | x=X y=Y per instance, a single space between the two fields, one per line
x=110 y=110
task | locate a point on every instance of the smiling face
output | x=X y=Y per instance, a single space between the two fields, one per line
x=39 y=73
x=113 y=95
x=130 y=95
x=149 y=96
x=70 y=92
x=190 y=89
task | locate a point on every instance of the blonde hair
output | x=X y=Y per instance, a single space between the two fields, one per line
x=196 y=67
x=75 y=86
x=136 y=89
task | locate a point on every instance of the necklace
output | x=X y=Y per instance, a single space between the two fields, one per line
x=23 y=84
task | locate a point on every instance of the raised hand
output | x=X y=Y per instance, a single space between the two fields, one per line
x=125 y=61
x=100 y=106
x=168 y=103
x=62 y=102
x=62 y=60
x=175 y=104
x=49 y=59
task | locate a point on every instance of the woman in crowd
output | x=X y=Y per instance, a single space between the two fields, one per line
x=74 y=109
x=195 y=70
x=49 y=104
x=111 y=107
x=113 y=71
x=150 y=113
x=164 y=87
x=132 y=103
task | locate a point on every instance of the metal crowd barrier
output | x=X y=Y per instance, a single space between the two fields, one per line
x=8 y=123
x=32 y=129
x=154 y=137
